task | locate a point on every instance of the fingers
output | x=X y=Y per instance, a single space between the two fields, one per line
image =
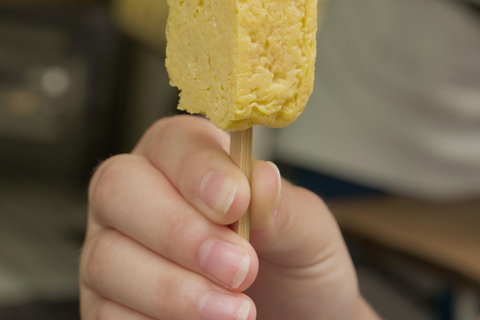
x=95 y=307
x=119 y=269
x=303 y=258
x=290 y=225
x=266 y=188
x=192 y=154
x=128 y=194
x=158 y=245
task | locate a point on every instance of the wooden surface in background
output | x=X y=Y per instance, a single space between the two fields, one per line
x=444 y=235
x=35 y=2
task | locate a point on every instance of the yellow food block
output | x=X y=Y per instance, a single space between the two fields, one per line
x=242 y=62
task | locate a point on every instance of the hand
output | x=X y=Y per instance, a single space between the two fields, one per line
x=158 y=245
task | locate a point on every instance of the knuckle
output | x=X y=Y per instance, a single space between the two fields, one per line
x=95 y=259
x=195 y=159
x=206 y=155
x=179 y=223
x=157 y=134
x=106 y=179
x=164 y=132
x=169 y=291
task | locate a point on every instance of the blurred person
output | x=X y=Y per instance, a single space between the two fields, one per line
x=394 y=108
x=396 y=103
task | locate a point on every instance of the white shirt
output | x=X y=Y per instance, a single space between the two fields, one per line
x=396 y=103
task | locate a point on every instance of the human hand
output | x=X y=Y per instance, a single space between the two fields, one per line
x=158 y=245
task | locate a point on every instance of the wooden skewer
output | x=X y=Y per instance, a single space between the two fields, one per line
x=241 y=154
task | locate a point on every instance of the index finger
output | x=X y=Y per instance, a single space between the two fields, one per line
x=192 y=154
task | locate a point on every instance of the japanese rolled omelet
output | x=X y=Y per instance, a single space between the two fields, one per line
x=242 y=62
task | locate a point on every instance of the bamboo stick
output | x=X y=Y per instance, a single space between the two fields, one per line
x=241 y=154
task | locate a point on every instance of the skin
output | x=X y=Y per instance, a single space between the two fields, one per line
x=155 y=248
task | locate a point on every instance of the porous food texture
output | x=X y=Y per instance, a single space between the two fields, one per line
x=242 y=62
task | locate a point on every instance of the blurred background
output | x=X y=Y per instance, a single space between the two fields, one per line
x=82 y=80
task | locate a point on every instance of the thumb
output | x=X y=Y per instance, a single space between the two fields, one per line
x=291 y=226
x=303 y=259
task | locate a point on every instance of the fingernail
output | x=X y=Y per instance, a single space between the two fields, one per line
x=279 y=179
x=218 y=191
x=224 y=261
x=219 y=306
x=264 y=217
